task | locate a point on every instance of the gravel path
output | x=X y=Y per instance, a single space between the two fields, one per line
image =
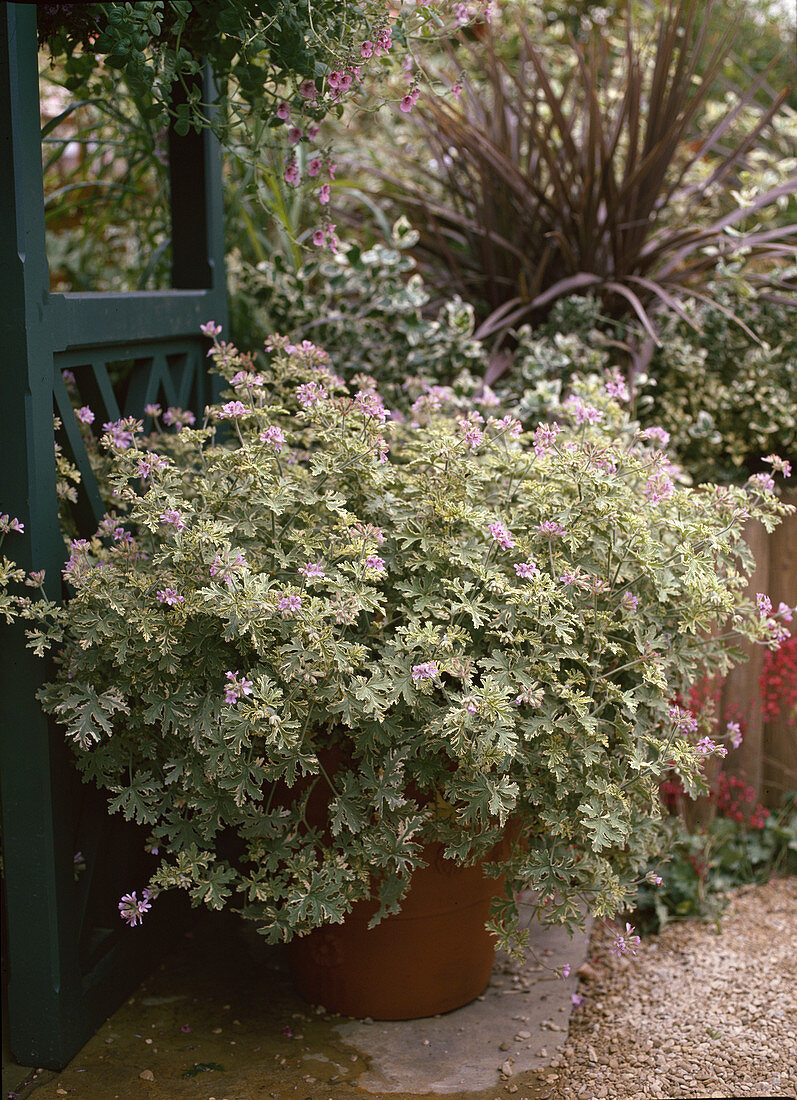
x=695 y=1014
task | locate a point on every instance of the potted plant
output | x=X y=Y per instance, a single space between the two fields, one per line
x=317 y=649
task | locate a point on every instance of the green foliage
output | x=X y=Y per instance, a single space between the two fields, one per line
x=720 y=384
x=726 y=393
x=375 y=293
x=312 y=640
x=699 y=868
x=254 y=49
x=602 y=166
x=106 y=188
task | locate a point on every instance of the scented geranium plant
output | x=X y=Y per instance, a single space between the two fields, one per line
x=314 y=638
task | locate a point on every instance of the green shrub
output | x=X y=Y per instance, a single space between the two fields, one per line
x=480 y=626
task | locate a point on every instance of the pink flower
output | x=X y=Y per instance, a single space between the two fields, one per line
x=426 y=671
x=178 y=417
x=501 y=535
x=764 y=482
x=313 y=131
x=581 y=412
x=312 y=570
x=308 y=90
x=314 y=166
x=526 y=569
x=132 y=910
x=292 y=173
x=367 y=49
x=658 y=488
x=284 y=111
x=545 y=438
x=85 y=415
x=210 y=328
x=551 y=528
x=780 y=465
x=288 y=604
x=626 y=942
x=616 y=385
x=734 y=731
x=295 y=135
x=274 y=436
x=174 y=517
x=235 y=687
x=319 y=237
x=763 y=604
x=169 y=596
x=683 y=720
x=310 y=393
x=707 y=747
x=658 y=434
x=324 y=194
x=232 y=410
x=376 y=565
x=408 y=101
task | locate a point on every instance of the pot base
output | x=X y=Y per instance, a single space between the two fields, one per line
x=432 y=957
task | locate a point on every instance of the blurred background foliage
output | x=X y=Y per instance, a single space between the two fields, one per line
x=499 y=208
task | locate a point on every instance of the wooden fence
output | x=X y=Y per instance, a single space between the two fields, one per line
x=768 y=754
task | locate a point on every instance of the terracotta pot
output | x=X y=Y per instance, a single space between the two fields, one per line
x=432 y=957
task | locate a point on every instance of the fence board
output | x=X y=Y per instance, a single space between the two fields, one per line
x=768 y=755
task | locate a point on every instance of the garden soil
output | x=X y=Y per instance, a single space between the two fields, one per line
x=695 y=1014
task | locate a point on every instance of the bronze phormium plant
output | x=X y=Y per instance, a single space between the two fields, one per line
x=551 y=175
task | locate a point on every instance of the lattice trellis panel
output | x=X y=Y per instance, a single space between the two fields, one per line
x=115 y=381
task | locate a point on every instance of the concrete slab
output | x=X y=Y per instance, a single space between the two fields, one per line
x=221 y=1019
x=518 y=1024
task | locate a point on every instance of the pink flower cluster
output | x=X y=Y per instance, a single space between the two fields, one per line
x=545 y=438
x=500 y=533
x=169 y=596
x=131 y=910
x=236 y=687
x=289 y=604
x=626 y=942
x=581 y=412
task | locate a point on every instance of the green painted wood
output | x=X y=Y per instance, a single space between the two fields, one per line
x=127 y=318
x=71 y=961
x=35 y=848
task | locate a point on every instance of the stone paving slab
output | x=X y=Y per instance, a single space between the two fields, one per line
x=220 y=1020
x=519 y=1024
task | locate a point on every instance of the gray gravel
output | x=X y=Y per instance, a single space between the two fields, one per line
x=695 y=1014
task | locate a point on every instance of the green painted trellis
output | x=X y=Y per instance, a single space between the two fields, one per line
x=70 y=959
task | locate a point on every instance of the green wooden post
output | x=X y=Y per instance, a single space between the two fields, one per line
x=34 y=838
x=64 y=976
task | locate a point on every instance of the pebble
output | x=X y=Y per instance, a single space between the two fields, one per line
x=645 y=1028
x=147 y=1075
